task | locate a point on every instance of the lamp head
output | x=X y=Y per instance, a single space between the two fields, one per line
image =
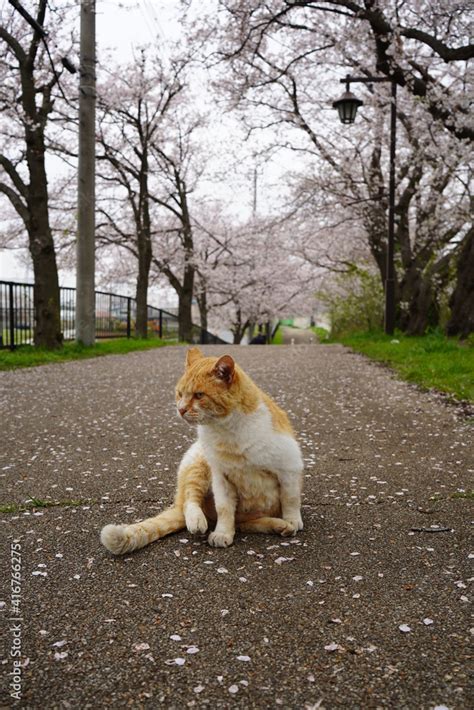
x=347 y=106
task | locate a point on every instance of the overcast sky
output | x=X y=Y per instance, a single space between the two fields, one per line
x=122 y=27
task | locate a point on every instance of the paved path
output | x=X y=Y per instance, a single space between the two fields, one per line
x=297 y=336
x=311 y=622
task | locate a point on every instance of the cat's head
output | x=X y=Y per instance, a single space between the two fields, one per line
x=207 y=389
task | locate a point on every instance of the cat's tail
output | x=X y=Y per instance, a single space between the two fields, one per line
x=120 y=539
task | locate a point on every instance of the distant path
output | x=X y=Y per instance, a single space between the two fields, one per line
x=363 y=609
x=298 y=335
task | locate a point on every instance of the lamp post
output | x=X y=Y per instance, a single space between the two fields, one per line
x=347 y=107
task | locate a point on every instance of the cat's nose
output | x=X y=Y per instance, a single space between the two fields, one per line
x=182 y=411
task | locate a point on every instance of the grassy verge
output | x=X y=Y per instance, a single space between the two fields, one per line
x=321 y=333
x=278 y=337
x=29 y=356
x=431 y=361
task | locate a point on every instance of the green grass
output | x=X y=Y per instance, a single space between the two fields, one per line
x=29 y=356
x=430 y=361
x=466 y=495
x=278 y=337
x=321 y=333
x=34 y=503
x=19 y=335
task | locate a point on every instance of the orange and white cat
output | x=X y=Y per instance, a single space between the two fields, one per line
x=245 y=469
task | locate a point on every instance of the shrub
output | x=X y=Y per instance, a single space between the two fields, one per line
x=357 y=303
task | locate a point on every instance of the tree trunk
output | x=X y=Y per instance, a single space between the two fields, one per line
x=185 y=327
x=421 y=289
x=237 y=335
x=47 y=332
x=46 y=293
x=144 y=261
x=203 y=312
x=238 y=329
x=423 y=309
x=144 y=248
x=462 y=300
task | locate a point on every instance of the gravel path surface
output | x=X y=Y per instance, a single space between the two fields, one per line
x=363 y=609
x=297 y=336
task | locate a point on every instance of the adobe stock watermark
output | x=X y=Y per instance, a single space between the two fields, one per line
x=15 y=620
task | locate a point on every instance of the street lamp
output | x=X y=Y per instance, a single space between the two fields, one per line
x=347 y=107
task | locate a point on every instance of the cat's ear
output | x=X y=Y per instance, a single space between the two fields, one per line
x=224 y=369
x=192 y=356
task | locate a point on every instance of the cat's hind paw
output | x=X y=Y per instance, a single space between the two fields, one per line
x=196 y=521
x=216 y=539
x=287 y=529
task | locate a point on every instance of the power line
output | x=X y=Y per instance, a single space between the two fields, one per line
x=31 y=20
x=152 y=15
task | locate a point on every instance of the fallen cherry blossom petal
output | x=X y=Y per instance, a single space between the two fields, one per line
x=281 y=560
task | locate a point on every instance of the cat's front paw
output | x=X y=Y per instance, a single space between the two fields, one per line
x=196 y=521
x=295 y=521
x=217 y=539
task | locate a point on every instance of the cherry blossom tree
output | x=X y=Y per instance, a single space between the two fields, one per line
x=424 y=46
x=135 y=104
x=284 y=56
x=258 y=278
x=31 y=75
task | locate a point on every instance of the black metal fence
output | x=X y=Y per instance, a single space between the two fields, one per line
x=114 y=317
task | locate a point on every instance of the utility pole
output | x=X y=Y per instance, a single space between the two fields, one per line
x=85 y=284
x=254 y=205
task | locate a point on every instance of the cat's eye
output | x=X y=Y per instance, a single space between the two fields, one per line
x=199 y=395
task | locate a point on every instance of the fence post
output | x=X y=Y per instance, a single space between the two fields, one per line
x=129 y=316
x=161 y=324
x=12 y=317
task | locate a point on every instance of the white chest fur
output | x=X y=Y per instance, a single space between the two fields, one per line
x=246 y=449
